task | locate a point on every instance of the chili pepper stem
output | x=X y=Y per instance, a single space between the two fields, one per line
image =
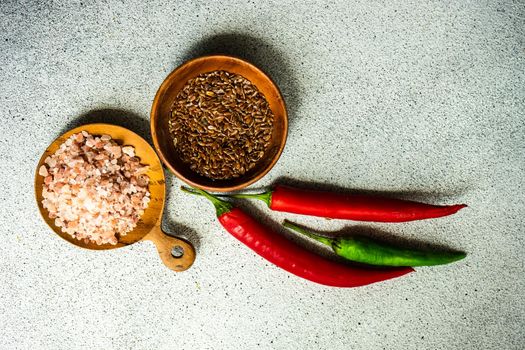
x=266 y=197
x=190 y=190
x=221 y=206
x=325 y=240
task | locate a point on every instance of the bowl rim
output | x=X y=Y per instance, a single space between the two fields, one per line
x=154 y=117
x=84 y=127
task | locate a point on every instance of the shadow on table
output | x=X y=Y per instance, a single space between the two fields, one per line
x=259 y=52
x=425 y=196
x=173 y=227
x=120 y=117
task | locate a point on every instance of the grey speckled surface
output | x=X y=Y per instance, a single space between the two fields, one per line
x=421 y=98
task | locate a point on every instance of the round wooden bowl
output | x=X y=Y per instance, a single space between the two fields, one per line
x=149 y=226
x=161 y=111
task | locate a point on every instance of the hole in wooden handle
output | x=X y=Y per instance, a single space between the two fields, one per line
x=177 y=252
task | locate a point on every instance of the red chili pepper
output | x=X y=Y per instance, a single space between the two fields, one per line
x=291 y=257
x=357 y=207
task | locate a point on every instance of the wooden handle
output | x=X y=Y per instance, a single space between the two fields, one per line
x=176 y=253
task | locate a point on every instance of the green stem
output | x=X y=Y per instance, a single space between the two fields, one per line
x=266 y=197
x=190 y=190
x=325 y=240
x=221 y=206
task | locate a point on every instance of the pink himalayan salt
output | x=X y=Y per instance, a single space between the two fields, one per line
x=95 y=189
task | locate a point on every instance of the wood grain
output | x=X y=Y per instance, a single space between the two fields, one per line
x=148 y=227
x=165 y=245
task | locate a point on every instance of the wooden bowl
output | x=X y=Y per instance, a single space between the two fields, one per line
x=149 y=225
x=161 y=111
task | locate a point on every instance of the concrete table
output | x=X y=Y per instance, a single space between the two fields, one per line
x=422 y=100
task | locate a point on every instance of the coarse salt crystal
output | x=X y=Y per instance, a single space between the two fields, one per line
x=88 y=194
x=129 y=151
x=43 y=171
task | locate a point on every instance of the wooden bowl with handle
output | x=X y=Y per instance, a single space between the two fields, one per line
x=176 y=253
x=161 y=112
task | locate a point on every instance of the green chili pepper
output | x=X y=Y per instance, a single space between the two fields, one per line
x=367 y=251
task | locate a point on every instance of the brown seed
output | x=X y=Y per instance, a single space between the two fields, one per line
x=221 y=124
